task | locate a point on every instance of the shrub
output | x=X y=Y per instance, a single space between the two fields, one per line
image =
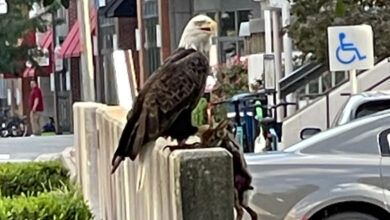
x=59 y=205
x=32 y=177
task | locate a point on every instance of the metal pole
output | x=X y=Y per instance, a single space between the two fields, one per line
x=353 y=81
x=100 y=96
x=268 y=31
x=287 y=48
x=287 y=42
x=278 y=60
x=55 y=75
x=268 y=45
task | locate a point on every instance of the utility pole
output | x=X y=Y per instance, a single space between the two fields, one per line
x=287 y=48
x=276 y=11
x=100 y=85
x=55 y=75
x=87 y=73
x=278 y=60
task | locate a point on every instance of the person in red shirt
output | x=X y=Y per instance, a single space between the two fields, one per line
x=36 y=107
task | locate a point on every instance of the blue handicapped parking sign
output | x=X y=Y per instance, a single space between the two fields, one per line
x=350 y=47
x=344 y=46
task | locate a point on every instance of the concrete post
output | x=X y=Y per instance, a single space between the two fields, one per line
x=204 y=184
x=86 y=145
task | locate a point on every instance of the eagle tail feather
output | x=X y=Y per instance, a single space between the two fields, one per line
x=129 y=138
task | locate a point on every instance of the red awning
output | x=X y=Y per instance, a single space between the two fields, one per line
x=45 y=42
x=47 y=39
x=29 y=72
x=72 y=46
x=33 y=72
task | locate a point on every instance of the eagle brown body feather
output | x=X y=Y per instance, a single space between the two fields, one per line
x=164 y=105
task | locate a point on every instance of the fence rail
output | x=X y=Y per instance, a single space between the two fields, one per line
x=188 y=184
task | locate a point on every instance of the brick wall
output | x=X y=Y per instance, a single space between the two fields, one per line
x=72 y=13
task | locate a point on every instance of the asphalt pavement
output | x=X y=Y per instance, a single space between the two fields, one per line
x=29 y=148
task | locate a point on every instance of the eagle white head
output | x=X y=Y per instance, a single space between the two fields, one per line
x=198 y=33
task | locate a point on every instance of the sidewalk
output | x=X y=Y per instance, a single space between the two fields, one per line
x=30 y=148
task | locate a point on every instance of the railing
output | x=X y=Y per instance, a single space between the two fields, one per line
x=185 y=184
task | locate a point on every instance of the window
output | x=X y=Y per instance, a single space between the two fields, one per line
x=213 y=15
x=243 y=16
x=372 y=107
x=313 y=86
x=340 y=77
x=228 y=24
x=229 y=43
x=384 y=140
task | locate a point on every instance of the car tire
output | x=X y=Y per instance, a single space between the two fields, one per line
x=351 y=216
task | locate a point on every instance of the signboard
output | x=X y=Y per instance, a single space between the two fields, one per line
x=43 y=60
x=101 y=3
x=3 y=7
x=350 y=47
x=58 y=59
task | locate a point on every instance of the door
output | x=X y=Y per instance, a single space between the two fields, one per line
x=64 y=110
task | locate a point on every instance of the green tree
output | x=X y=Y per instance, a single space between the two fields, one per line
x=14 y=26
x=312 y=18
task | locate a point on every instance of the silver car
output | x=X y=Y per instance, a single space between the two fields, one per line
x=339 y=174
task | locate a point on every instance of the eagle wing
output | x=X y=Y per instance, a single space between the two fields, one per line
x=175 y=87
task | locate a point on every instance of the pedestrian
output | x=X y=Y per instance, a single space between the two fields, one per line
x=36 y=107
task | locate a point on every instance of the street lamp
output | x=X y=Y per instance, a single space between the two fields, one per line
x=3 y=7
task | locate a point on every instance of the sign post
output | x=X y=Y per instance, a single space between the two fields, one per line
x=351 y=48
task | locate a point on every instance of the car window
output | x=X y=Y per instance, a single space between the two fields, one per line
x=345 y=113
x=358 y=141
x=384 y=140
x=358 y=137
x=372 y=107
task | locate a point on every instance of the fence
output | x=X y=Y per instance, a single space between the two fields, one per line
x=186 y=184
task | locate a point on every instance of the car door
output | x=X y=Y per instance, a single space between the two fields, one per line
x=384 y=140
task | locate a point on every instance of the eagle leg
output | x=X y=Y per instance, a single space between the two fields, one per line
x=182 y=146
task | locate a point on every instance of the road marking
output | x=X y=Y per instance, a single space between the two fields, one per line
x=5 y=156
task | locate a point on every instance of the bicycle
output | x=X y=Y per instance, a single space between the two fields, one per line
x=272 y=130
x=243 y=125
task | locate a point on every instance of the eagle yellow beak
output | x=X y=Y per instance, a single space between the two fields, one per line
x=210 y=27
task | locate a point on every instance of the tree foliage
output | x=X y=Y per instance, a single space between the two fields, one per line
x=312 y=18
x=15 y=26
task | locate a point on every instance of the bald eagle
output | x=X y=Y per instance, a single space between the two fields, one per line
x=163 y=106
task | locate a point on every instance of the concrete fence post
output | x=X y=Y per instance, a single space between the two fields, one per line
x=86 y=145
x=203 y=184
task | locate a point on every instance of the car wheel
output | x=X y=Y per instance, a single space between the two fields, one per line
x=351 y=216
